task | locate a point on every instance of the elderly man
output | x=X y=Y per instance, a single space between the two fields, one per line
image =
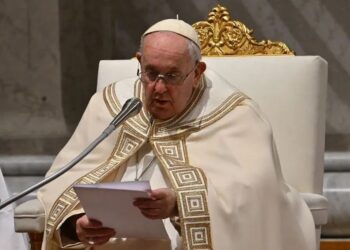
x=205 y=147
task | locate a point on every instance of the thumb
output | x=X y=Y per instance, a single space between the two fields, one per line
x=158 y=193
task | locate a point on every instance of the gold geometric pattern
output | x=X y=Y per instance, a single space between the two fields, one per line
x=190 y=185
x=185 y=176
x=140 y=122
x=169 y=145
x=70 y=194
x=187 y=127
x=220 y=35
x=173 y=150
x=199 y=235
x=127 y=144
x=195 y=203
x=168 y=140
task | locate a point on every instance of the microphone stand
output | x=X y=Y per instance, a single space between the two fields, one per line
x=131 y=107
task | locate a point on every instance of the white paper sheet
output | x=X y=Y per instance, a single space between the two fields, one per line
x=111 y=204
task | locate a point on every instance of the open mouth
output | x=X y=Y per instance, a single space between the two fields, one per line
x=160 y=102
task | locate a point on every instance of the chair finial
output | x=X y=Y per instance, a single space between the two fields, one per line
x=220 y=35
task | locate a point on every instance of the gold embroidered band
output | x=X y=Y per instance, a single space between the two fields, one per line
x=128 y=142
x=190 y=185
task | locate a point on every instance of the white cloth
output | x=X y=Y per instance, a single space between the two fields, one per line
x=9 y=239
x=226 y=137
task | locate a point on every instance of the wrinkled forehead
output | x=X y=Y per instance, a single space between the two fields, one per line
x=166 y=42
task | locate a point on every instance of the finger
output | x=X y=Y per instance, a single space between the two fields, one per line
x=98 y=240
x=160 y=193
x=87 y=222
x=95 y=223
x=95 y=240
x=102 y=232
x=85 y=235
x=148 y=203
x=153 y=211
x=153 y=217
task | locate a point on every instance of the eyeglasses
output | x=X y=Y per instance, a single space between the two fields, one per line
x=150 y=76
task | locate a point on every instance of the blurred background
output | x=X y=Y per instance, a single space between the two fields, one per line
x=49 y=54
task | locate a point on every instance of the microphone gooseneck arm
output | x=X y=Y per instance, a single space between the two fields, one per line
x=131 y=107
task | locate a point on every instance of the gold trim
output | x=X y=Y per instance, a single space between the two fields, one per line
x=224 y=108
x=139 y=123
x=169 y=145
x=111 y=106
x=220 y=35
x=190 y=186
x=128 y=142
x=174 y=127
x=179 y=128
x=139 y=92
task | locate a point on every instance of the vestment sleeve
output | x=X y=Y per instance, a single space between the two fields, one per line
x=94 y=120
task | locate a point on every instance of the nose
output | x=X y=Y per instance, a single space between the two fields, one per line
x=160 y=85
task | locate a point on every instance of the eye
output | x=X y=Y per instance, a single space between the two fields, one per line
x=172 y=76
x=152 y=75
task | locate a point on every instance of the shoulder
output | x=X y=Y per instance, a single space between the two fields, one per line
x=250 y=118
x=115 y=94
x=224 y=93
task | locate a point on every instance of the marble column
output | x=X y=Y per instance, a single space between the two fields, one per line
x=32 y=119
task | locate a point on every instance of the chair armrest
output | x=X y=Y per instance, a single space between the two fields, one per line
x=318 y=205
x=30 y=217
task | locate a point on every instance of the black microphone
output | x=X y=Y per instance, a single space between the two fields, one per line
x=131 y=108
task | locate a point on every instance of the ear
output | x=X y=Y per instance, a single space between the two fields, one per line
x=138 y=56
x=201 y=66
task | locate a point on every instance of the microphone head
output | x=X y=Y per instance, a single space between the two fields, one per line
x=132 y=105
x=130 y=108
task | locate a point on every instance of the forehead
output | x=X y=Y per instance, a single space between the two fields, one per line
x=165 y=44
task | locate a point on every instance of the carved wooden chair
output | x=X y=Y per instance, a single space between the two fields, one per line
x=291 y=91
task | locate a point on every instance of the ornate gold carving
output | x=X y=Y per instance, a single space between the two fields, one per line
x=222 y=36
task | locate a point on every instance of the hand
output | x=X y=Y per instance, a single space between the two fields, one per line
x=92 y=232
x=161 y=204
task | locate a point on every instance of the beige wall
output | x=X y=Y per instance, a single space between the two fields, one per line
x=49 y=53
x=30 y=77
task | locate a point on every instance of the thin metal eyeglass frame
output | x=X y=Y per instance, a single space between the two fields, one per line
x=163 y=76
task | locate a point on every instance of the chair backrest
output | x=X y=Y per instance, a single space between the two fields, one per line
x=291 y=90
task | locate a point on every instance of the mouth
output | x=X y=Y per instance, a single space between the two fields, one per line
x=160 y=102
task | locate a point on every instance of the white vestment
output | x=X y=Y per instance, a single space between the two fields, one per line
x=218 y=155
x=9 y=239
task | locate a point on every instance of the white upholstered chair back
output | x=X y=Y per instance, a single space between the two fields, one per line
x=290 y=90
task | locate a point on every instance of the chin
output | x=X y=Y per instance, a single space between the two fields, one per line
x=161 y=115
x=161 y=112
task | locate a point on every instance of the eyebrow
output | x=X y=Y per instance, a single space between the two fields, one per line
x=171 y=70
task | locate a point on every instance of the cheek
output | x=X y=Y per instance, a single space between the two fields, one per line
x=148 y=93
x=182 y=98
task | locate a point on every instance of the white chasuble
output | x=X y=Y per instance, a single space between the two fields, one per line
x=218 y=156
